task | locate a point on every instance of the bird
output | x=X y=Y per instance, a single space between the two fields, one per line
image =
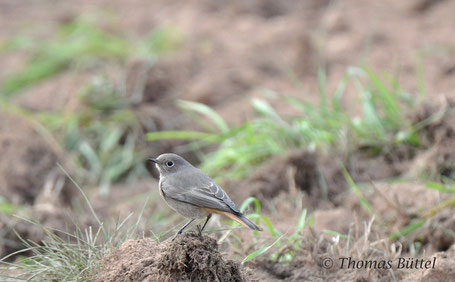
x=193 y=194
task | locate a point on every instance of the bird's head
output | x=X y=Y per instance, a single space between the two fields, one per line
x=169 y=163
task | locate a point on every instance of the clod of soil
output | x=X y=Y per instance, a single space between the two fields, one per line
x=318 y=176
x=30 y=178
x=188 y=258
x=423 y=6
x=444 y=269
x=50 y=216
x=318 y=259
x=338 y=219
x=440 y=233
x=364 y=167
x=297 y=170
x=437 y=136
x=28 y=162
x=399 y=203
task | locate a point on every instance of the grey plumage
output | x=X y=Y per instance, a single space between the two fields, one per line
x=194 y=187
x=192 y=193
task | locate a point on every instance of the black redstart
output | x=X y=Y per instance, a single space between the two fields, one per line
x=193 y=194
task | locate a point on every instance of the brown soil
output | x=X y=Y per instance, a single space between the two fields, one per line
x=48 y=215
x=259 y=41
x=319 y=260
x=29 y=162
x=231 y=48
x=30 y=179
x=444 y=270
x=400 y=203
x=439 y=232
x=337 y=219
x=318 y=176
x=238 y=46
x=437 y=137
x=396 y=206
x=192 y=258
x=53 y=94
x=189 y=257
x=297 y=170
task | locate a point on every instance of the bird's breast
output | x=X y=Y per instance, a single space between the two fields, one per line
x=160 y=188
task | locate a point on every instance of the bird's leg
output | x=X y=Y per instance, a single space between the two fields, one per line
x=199 y=230
x=181 y=229
x=203 y=226
x=205 y=223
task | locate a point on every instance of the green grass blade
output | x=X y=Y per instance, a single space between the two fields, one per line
x=363 y=201
x=181 y=135
x=206 y=111
x=259 y=252
x=6 y=207
x=265 y=109
x=420 y=79
x=335 y=234
x=302 y=221
x=440 y=187
x=269 y=226
x=408 y=229
x=387 y=99
x=248 y=201
x=322 y=92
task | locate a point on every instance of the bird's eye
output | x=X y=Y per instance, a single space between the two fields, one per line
x=170 y=164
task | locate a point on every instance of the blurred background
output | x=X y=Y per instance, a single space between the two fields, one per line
x=309 y=113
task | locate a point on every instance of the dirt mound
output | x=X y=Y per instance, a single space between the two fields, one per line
x=338 y=220
x=54 y=93
x=322 y=258
x=49 y=216
x=30 y=179
x=49 y=213
x=444 y=270
x=28 y=162
x=318 y=176
x=188 y=258
x=399 y=203
x=298 y=170
x=319 y=259
x=321 y=178
x=436 y=122
x=364 y=167
x=440 y=231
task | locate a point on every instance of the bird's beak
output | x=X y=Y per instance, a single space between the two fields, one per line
x=152 y=160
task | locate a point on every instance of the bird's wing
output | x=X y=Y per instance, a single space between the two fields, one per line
x=205 y=193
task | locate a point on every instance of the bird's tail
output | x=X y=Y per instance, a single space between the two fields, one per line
x=240 y=218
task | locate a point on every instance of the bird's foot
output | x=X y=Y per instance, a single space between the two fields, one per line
x=175 y=236
x=199 y=229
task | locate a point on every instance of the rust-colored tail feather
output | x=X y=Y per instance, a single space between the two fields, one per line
x=243 y=221
x=240 y=218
